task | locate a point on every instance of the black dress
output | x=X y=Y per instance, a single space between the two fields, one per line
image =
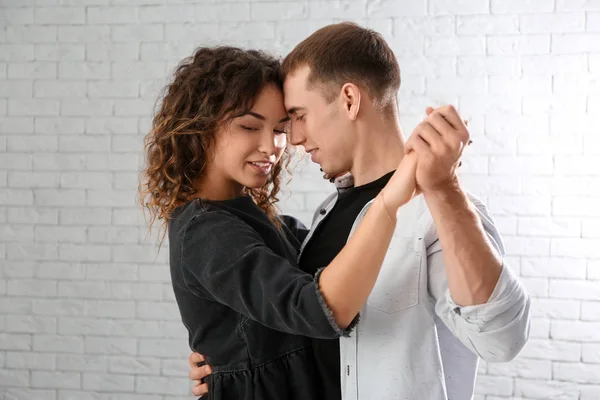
x=246 y=305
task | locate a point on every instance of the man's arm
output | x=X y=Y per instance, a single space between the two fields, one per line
x=495 y=329
x=473 y=266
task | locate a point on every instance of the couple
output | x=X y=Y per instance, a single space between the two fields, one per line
x=274 y=308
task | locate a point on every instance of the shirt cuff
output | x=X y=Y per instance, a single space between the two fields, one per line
x=505 y=295
x=341 y=332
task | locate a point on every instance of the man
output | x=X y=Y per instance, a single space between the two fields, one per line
x=444 y=296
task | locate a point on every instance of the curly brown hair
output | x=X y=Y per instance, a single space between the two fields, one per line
x=208 y=90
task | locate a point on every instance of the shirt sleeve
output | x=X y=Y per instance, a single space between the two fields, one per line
x=230 y=261
x=496 y=330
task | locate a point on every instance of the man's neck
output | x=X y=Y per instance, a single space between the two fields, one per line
x=379 y=152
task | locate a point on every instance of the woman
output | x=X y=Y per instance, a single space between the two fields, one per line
x=214 y=160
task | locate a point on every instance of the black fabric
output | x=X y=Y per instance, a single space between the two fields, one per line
x=326 y=242
x=245 y=302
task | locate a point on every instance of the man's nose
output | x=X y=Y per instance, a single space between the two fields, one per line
x=296 y=136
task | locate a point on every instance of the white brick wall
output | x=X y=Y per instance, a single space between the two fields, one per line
x=86 y=309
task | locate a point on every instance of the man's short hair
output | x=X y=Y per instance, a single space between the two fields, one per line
x=346 y=52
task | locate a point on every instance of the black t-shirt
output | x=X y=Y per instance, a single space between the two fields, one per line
x=327 y=241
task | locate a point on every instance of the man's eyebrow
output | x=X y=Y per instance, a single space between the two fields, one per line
x=294 y=110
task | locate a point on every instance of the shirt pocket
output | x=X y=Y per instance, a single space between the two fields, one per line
x=397 y=286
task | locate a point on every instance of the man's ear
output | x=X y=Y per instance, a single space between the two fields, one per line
x=350 y=96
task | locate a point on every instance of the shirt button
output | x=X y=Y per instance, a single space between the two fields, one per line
x=322 y=211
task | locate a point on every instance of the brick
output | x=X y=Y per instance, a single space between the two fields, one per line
x=174 y=13
x=83 y=326
x=457 y=46
x=32 y=179
x=138 y=366
x=59 y=15
x=16 y=16
x=112 y=162
x=522 y=85
x=84 y=290
x=554 y=267
x=85 y=180
x=82 y=363
x=81 y=107
x=57 y=343
x=83 y=34
x=57 y=380
x=13 y=305
x=110 y=309
x=566 y=206
x=113 y=235
x=58 y=307
x=30 y=361
x=576 y=372
x=138 y=70
x=138 y=33
x=87 y=144
x=575 y=43
x=32 y=70
x=383 y=9
x=518 y=45
x=58 y=126
x=85 y=216
x=78 y=70
x=262 y=11
x=556 y=309
x=54 y=89
x=154 y=273
x=550 y=227
x=524 y=368
x=14 y=341
x=157 y=311
x=135 y=291
x=574 y=289
x=543 y=389
x=480 y=66
x=113 y=51
x=495 y=385
x=590 y=311
x=112 y=15
x=56 y=234
x=107 y=382
x=30 y=324
x=15 y=378
x=111 y=125
x=35 y=251
x=114 y=346
x=58 y=162
x=59 y=197
x=33 y=107
x=78 y=252
x=552 y=350
x=487 y=24
x=590 y=228
x=58 y=270
x=236 y=31
x=16 y=125
x=552 y=23
x=580 y=5
x=113 y=89
x=110 y=198
x=536 y=65
x=162 y=385
x=133 y=107
x=16 y=89
x=519 y=7
x=521 y=205
x=59 y=52
x=31 y=34
x=590 y=353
